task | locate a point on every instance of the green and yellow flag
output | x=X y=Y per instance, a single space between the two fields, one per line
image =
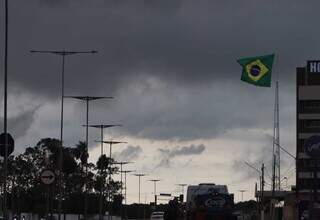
x=257 y=70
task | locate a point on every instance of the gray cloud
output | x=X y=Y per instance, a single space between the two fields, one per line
x=128 y=154
x=191 y=48
x=168 y=154
x=19 y=125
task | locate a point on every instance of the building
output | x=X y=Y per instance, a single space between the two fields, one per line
x=308 y=136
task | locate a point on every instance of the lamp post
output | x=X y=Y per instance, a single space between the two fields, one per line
x=242 y=191
x=139 y=175
x=182 y=185
x=125 y=189
x=121 y=164
x=87 y=99
x=112 y=143
x=110 y=156
x=5 y=111
x=155 y=190
x=101 y=126
x=62 y=53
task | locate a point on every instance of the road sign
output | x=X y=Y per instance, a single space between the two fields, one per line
x=47 y=177
x=10 y=144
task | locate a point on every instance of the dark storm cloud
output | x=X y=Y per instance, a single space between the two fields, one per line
x=128 y=154
x=184 y=44
x=167 y=155
x=20 y=124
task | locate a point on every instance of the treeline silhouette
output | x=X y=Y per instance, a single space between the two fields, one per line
x=27 y=194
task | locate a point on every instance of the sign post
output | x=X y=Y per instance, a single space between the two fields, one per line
x=47 y=177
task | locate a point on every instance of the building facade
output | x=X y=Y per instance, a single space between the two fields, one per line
x=308 y=134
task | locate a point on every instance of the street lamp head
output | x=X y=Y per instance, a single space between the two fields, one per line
x=140 y=174
x=155 y=180
x=122 y=162
x=102 y=126
x=89 y=98
x=113 y=142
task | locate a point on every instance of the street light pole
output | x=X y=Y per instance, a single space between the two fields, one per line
x=139 y=175
x=242 y=191
x=62 y=53
x=112 y=143
x=125 y=189
x=87 y=99
x=110 y=156
x=182 y=185
x=121 y=178
x=121 y=164
x=155 y=190
x=5 y=112
x=102 y=126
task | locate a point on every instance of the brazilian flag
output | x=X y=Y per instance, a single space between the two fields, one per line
x=257 y=70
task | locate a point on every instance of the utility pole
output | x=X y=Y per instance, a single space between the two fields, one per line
x=87 y=99
x=155 y=190
x=62 y=53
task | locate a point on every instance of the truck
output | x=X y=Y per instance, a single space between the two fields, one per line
x=208 y=201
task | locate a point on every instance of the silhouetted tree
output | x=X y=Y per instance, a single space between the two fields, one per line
x=27 y=192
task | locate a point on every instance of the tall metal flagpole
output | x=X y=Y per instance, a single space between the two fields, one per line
x=276 y=178
x=5 y=112
x=87 y=99
x=278 y=135
x=62 y=53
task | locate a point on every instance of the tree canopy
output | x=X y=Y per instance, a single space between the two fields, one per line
x=29 y=194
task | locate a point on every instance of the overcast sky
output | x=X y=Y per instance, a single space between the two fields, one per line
x=171 y=66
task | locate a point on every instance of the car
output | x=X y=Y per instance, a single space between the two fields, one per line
x=157 y=216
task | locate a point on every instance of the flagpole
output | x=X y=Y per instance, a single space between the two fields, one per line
x=276 y=178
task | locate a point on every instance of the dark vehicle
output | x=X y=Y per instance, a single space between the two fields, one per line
x=209 y=202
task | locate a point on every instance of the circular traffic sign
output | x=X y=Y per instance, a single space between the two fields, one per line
x=10 y=144
x=47 y=177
